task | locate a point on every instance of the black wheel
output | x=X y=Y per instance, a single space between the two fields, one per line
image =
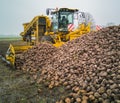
x=28 y=38
x=47 y=38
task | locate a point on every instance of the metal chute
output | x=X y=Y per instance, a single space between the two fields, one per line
x=13 y=51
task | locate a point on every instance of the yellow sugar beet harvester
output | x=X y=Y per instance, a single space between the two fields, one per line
x=51 y=28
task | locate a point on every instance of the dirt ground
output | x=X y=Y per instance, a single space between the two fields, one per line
x=18 y=87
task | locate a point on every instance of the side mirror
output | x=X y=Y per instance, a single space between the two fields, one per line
x=47 y=11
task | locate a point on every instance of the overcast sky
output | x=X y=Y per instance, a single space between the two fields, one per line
x=13 y=13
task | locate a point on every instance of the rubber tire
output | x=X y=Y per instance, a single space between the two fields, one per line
x=47 y=38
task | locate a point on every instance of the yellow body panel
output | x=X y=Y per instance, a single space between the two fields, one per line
x=10 y=55
x=82 y=29
x=58 y=44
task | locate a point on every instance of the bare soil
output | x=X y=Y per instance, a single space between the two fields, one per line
x=17 y=86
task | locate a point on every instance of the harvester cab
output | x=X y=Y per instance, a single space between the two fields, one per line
x=67 y=24
x=62 y=19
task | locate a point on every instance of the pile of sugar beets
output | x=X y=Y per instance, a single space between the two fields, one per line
x=89 y=66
